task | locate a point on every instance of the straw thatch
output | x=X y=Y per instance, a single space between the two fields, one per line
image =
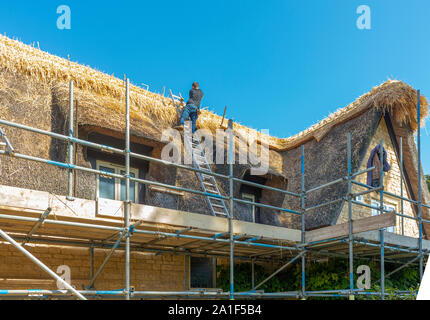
x=103 y=94
x=395 y=97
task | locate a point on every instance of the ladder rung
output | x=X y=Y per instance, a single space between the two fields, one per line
x=208 y=182
x=217 y=206
x=220 y=213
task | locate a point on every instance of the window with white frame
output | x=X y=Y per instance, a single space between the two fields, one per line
x=359 y=198
x=113 y=188
x=388 y=207
x=251 y=198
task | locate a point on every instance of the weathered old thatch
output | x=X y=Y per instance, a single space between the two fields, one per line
x=395 y=97
x=34 y=91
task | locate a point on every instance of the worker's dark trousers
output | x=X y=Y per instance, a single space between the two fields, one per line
x=190 y=111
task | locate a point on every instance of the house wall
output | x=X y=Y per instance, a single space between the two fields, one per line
x=147 y=271
x=391 y=183
x=325 y=161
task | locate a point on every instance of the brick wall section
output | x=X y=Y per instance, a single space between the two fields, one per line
x=391 y=183
x=147 y=271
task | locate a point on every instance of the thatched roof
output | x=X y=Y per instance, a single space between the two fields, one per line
x=395 y=97
x=34 y=91
x=100 y=94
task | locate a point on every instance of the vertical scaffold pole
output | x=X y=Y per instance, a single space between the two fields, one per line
x=303 y=199
x=71 y=134
x=350 y=220
x=381 y=211
x=253 y=273
x=402 y=206
x=91 y=261
x=420 y=196
x=127 y=191
x=382 y=240
x=231 y=176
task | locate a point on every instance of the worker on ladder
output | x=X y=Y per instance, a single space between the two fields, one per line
x=192 y=109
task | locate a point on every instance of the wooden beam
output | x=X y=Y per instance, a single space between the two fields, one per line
x=394 y=239
x=223 y=117
x=167 y=191
x=110 y=212
x=361 y=225
x=206 y=222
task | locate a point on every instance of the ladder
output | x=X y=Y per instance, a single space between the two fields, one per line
x=208 y=183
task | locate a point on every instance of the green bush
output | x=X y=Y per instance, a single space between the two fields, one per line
x=330 y=275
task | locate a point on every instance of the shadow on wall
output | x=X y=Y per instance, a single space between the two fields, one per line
x=57 y=148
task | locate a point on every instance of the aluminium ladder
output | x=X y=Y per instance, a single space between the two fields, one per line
x=207 y=182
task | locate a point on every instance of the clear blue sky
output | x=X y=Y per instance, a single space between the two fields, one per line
x=281 y=65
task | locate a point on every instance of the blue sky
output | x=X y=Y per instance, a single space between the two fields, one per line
x=279 y=64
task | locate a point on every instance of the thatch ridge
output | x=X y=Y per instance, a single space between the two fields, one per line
x=392 y=96
x=395 y=97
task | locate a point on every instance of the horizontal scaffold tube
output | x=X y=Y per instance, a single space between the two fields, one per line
x=338 y=180
x=193 y=294
x=410 y=250
x=324 y=204
x=184 y=236
x=157 y=233
x=401 y=198
x=265 y=206
x=109 y=174
x=253 y=184
x=142 y=181
x=107 y=148
x=59 y=292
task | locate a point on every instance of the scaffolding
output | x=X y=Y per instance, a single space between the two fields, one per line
x=137 y=236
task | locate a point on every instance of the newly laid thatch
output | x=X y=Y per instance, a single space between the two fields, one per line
x=100 y=94
x=103 y=94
